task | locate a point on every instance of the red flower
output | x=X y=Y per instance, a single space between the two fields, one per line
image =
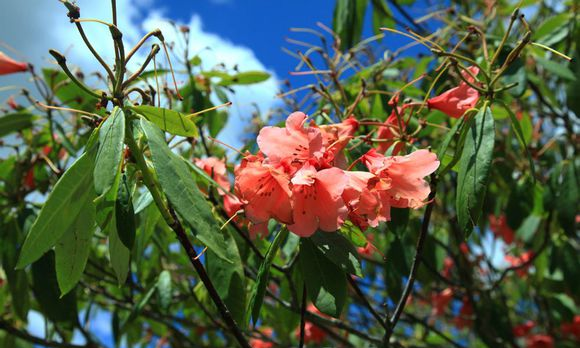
x=457 y=100
x=523 y=329
x=441 y=300
x=216 y=168
x=9 y=65
x=516 y=261
x=312 y=333
x=539 y=341
x=29 y=183
x=500 y=228
x=260 y=343
x=465 y=317
x=572 y=328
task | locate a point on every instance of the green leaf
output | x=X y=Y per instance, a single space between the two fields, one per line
x=382 y=16
x=244 y=78
x=181 y=190
x=553 y=30
x=138 y=308
x=125 y=215
x=46 y=290
x=474 y=169
x=110 y=152
x=353 y=233
x=17 y=279
x=568 y=203
x=164 y=290
x=216 y=122
x=348 y=20
x=229 y=279
x=399 y=221
x=556 y=68
x=119 y=254
x=168 y=120
x=338 y=250
x=73 y=248
x=259 y=289
x=15 y=122
x=68 y=199
x=68 y=92
x=521 y=138
x=325 y=282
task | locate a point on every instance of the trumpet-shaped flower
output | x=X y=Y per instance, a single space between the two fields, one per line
x=317 y=202
x=10 y=66
x=457 y=100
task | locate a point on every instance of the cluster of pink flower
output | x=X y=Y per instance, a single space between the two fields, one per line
x=298 y=178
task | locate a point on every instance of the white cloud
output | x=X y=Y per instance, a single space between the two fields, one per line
x=36 y=26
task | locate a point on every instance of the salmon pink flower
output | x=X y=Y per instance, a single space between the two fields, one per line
x=335 y=137
x=295 y=142
x=9 y=65
x=457 y=100
x=369 y=249
x=364 y=204
x=540 y=341
x=406 y=175
x=524 y=329
x=265 y=191
x=216 y=168
x=499 y=227
x=317 y=201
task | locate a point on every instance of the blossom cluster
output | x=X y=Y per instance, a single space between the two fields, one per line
x=299 y=178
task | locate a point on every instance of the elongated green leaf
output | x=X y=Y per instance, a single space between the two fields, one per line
x=474 y=169
x=382 y=16
x=348 y=21
x=15 y=122
x=556 y=68
x=168 y=120
x=245 y=78
x=125 y=215
x=110 y=153
x=17 y=279
x=164 y=289
x=521 y=138
x=216 y=122
x=338 y=250
x=399 y=221
x=180 y=188
x=60 y=211
x=119 y=254
x=73 y=248
x=325 y=282
x=568 y=205
x=139 y=306
x=259 y=289
x=553 y=30
x=47 y=293
x=228 y=278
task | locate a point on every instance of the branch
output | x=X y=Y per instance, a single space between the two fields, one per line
x=416 y=261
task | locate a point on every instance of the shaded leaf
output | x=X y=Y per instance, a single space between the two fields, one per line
x=325 y=282
x=15 y=122
x=71 y=194
x=180 y=188
x=338 y=250
x=474 y=169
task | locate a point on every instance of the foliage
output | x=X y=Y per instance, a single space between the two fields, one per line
x=95 y=184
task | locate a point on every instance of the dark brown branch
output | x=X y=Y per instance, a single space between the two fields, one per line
x=416 y=261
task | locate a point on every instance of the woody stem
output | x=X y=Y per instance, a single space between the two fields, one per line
x=171 y=219
x=416 y=262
